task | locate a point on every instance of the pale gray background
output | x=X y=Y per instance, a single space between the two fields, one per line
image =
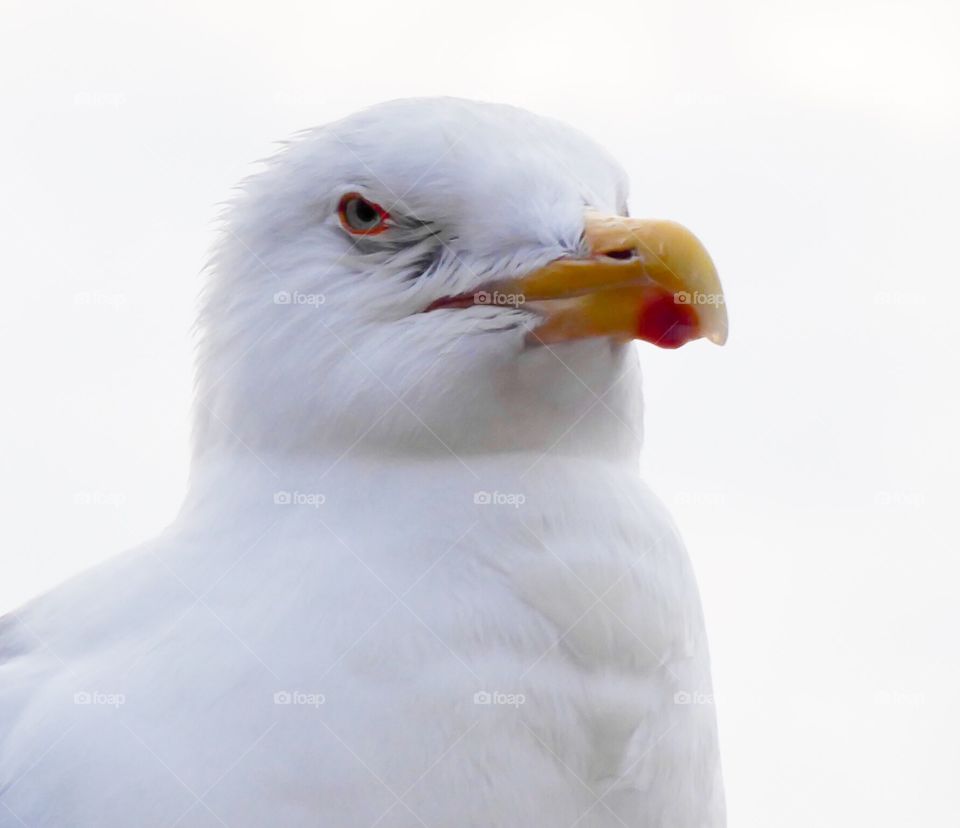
x=811 y=465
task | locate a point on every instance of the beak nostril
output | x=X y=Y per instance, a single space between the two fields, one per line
x=624 y=253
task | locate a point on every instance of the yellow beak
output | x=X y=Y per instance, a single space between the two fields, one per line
x=643 y=279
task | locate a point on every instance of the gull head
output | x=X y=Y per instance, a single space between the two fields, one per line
x=440 y=276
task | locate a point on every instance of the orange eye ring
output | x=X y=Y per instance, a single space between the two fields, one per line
x=360 y=216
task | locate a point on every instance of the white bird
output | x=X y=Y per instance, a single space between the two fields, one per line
x=417 y=580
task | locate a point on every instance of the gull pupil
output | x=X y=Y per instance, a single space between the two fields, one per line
x=364 y=212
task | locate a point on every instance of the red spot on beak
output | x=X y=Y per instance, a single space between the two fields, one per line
x=666 y=322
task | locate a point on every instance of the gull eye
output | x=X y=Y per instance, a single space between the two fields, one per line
x=360 y=216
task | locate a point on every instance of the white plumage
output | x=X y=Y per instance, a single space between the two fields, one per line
x=417 y=579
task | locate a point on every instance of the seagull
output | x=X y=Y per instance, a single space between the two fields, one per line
x=417 y=579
